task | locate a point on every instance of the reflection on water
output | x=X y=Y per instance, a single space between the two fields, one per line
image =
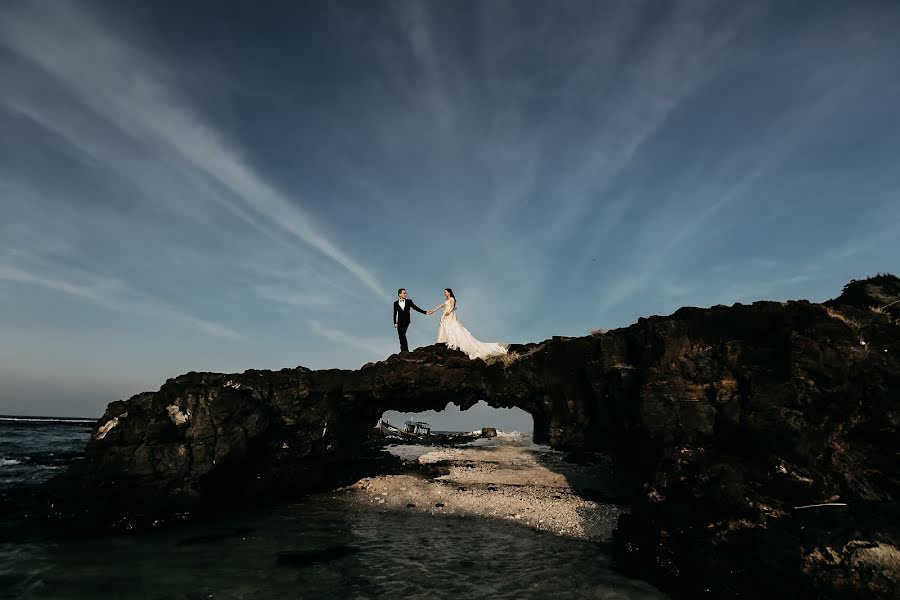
x=316 y=549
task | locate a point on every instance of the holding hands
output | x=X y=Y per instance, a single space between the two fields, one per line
x=451 y=299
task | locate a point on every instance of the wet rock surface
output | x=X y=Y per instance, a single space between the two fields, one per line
x=739 y=421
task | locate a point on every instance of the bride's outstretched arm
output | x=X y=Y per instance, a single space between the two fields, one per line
x=444 y=306
x=435 y=309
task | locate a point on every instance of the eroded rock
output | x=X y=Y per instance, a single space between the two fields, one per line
x=733 y=417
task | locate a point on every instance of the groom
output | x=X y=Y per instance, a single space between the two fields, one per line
x=401 y=316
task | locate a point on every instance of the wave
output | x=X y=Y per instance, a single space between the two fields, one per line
x=8 y=462
x=48 y=420
x=511 y=434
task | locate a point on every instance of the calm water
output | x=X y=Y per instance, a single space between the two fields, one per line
x=315 y=548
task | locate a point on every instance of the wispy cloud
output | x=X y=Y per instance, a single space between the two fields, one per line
x=115 y=295
x=678 y=225
x=552 y=139
x=372 y=348
x=302 y=299
x=678 y=57
x=93 y=293
x=127 y=89
x=562 y=166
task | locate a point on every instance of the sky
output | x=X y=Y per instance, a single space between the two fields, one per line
x=218 y=186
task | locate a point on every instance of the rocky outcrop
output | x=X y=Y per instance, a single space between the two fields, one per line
x=776 y=450
x=767 y=437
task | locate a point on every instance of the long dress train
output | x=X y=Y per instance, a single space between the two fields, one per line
x=457 y=337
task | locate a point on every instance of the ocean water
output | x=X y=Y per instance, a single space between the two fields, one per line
x=316 y=547
x=33 y=449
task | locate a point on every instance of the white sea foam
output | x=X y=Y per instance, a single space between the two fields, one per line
x=45 y=420
x=8 y=462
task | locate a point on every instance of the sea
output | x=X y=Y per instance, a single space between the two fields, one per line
x=313 y=547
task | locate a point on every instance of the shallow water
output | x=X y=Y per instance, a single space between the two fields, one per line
x=317 y=549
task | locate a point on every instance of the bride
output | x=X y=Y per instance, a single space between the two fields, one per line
x=457 y=337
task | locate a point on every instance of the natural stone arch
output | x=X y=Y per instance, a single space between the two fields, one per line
x=206 y=439
x=730 y=416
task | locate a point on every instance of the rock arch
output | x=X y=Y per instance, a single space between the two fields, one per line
x=207 y=436
x=729 y=415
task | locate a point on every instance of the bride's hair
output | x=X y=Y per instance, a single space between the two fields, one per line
x=448 y=290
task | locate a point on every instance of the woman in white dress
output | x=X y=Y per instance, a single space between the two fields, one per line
x=457 y=337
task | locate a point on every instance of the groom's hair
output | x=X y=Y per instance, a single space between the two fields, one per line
x=400 y=290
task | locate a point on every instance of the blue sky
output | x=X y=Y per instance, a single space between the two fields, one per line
x=221 y=186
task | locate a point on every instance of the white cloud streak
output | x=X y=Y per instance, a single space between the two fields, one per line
x=113 y=294
x=496 y=152
x=126 y=89
x=371 y=348
x=622 y=98
x=671 y=228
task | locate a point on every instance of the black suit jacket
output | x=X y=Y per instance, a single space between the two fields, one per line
x=401 y=316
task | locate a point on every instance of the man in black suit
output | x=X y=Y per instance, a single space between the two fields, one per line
x=401 y=316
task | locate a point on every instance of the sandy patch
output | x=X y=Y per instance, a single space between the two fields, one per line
x=507 y=477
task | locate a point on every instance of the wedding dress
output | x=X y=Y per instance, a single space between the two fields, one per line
x=457 y=337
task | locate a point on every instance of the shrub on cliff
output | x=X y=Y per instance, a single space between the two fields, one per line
x=881 y=292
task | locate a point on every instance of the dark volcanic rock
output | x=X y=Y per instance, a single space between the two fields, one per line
x=740 y=420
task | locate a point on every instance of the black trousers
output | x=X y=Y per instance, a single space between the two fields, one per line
x=401 y=331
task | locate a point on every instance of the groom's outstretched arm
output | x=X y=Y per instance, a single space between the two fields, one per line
x=413 y=306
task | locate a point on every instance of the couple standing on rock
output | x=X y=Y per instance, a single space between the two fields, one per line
x=450 y=329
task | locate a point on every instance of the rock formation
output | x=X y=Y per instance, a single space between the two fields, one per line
x=741 y=421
